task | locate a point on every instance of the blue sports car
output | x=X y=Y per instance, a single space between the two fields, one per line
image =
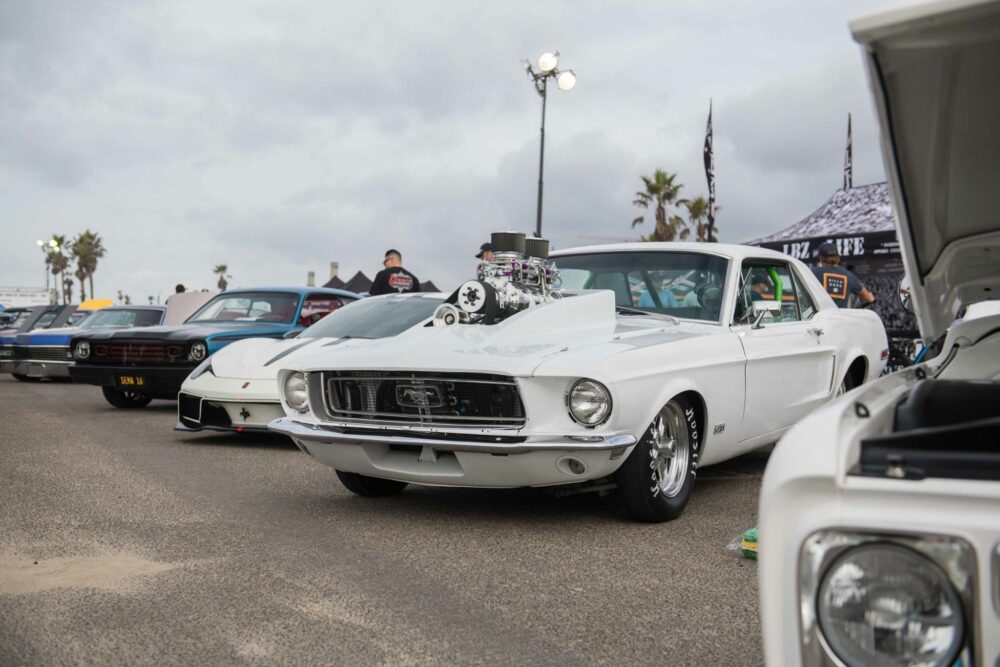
x=134 y=366
x=44 y=353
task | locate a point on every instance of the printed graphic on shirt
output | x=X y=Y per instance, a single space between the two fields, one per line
x=400 y=281
x=835 y=285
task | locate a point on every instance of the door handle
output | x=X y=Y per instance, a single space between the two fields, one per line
x=815 y=331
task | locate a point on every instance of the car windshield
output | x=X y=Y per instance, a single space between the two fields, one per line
x=687 y=285
x=378 y=317
x=276 y=307
x=12 y=319
x=122 y=318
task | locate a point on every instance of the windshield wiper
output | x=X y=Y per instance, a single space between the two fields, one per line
x=625 y=310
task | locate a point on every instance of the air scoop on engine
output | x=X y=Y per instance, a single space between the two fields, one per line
x=519 y=276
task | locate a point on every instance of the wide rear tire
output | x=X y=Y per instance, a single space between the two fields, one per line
x=363 y=485
x=127 y=400
x=657 y=479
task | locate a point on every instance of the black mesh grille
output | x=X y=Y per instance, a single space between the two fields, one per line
x=41 y=353
x=457 y=399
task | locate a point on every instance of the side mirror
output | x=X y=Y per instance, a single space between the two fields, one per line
x=761 y=309
x=292 y=333
x=904 y=290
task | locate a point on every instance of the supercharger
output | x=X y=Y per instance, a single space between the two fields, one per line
x=519 y=276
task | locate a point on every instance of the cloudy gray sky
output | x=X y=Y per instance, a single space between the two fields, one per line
x=277 y=137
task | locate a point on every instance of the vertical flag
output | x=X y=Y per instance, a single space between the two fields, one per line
x=848 y=159
x=710 y=173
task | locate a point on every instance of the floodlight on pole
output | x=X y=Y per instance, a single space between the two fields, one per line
x=565 y=80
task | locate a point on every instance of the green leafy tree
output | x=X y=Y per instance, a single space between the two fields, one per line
x=88 y=249
x=698 y=214
x=221 y=269
x=662 y=196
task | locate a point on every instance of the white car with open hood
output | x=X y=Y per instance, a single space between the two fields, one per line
x=236 y=389
x=880 y=513
x=652 y=359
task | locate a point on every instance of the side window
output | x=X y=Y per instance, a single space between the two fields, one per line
x=316 y=307
x=806 y=306
x=762 y=280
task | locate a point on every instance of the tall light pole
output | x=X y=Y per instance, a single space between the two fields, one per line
x=565 y=80
x=46 y=247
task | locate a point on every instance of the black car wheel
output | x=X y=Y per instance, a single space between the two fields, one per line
x=363 y=485
x=657 y=479
x=125 y=399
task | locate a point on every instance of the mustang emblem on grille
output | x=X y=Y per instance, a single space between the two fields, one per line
x=244 y=413
x=419 y=396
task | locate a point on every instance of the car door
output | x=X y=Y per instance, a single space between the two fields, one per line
x=790 y=362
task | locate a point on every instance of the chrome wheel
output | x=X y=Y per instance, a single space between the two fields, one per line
x=669 y=451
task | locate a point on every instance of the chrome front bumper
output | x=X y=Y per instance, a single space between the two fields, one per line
x=543 y=443
x=36 y=369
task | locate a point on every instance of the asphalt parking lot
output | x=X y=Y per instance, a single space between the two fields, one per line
x=124 y=542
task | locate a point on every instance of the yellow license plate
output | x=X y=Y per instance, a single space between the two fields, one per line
x=131 y=381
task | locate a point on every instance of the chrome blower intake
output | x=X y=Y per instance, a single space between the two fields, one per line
x=519 y=276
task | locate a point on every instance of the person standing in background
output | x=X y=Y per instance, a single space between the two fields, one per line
x=842 y=285
x=393 y=278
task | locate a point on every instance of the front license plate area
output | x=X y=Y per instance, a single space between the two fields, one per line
x=131 y=381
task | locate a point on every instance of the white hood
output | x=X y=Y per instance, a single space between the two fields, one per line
x=579 y=325
x=261 y=358
x=935 y=74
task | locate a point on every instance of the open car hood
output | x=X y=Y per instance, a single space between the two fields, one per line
x=935 y=74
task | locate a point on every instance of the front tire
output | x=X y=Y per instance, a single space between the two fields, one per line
x=363 y=485
x=125 y=399
x=657 y=479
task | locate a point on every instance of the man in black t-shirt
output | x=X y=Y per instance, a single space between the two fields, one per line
x=393 y=278
x=843 y=286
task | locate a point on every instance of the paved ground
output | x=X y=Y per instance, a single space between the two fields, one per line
x=123 y=542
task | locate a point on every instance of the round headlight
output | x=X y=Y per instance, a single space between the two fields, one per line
x=82 y=350
x=198 y=351
x=589 y=402
x=296 y=392
x=883 y=604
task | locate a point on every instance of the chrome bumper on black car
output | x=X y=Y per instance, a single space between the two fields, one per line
x=448 y=442
x=161 y=382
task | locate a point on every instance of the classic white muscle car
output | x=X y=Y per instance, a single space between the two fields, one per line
x=236 y=389
x=695 y=352
x=880 y=513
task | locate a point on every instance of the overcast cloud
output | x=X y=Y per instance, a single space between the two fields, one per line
x=276 y=137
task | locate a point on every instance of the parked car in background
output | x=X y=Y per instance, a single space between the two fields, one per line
x=26 y=319
x=236 y=389
x=524 y=384
x=134 y=366
x=880 y=513
x=45 y=353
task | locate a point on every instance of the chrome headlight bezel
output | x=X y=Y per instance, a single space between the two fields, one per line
x=198 y=351
x=296 y=398
x=578 y=391
x=954 y=556
x=81 y=350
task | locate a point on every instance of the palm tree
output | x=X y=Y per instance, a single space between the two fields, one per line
x=661 y=194
x=81 y=275
x=698 y=212
x=221 y=270
x=60 y=264
x=88 y=249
